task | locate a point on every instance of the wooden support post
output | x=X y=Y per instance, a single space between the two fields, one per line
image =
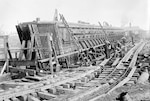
x=5 y=67
x=6 y=54
x=10 y=56
x=50 y=53
x=29 y=55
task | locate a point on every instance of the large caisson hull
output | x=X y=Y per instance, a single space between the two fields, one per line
x=83 y=45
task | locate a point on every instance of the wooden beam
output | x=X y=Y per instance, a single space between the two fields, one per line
x=59 y=88
x=15 y=70
x=46 y=95
x=32 y=98
x=41 y=85
x=19 y=62
x=49 y=40
x=67 y=54
x=104 y=62
x=116 y=62
x=3 y=69
x=21 y=52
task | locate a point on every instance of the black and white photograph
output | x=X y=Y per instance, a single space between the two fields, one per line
x=74 y=50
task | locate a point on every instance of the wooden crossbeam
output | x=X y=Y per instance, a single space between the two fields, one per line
x=19 y=63
x=67 y=54
x=16 y=70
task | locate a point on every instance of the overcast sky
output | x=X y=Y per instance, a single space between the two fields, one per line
x=115 y=12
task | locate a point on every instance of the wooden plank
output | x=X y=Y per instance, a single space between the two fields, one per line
x=37 y=78
x=59 y=88
x=3 y=69
x=32 y=98
x=19 y=63
x=116 y=62
x=41 y=85
x=46 y=95
x=104 y=62
x=50 y=52
x=29 y=71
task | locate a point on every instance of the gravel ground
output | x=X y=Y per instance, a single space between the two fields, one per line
x=137 y=92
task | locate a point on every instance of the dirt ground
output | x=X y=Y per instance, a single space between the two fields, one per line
x=137 y=92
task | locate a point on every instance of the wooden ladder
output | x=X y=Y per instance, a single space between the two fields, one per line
x=106 y=36
x=70 y=31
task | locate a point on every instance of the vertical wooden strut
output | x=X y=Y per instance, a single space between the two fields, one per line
x=50 y=53
x=5 y=67
x=59 y=40
x=54 y=52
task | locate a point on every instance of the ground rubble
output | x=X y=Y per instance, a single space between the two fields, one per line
x=136 y=92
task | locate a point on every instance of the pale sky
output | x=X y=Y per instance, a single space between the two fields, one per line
x=115 y=12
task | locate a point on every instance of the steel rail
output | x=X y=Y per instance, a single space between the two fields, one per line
x=137 y=49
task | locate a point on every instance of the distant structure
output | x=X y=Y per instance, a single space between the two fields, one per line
x=134 y=29
x=37 y=19
x=82 y=22
x=55 y=15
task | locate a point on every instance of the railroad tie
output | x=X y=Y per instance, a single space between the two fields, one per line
x=52 y=90
x=84 y=79
x=46 y=95
x=15 y=99
x=32 y=98
x=65 y=85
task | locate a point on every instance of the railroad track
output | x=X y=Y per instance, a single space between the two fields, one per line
x=81 y=84
x=129 y=76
